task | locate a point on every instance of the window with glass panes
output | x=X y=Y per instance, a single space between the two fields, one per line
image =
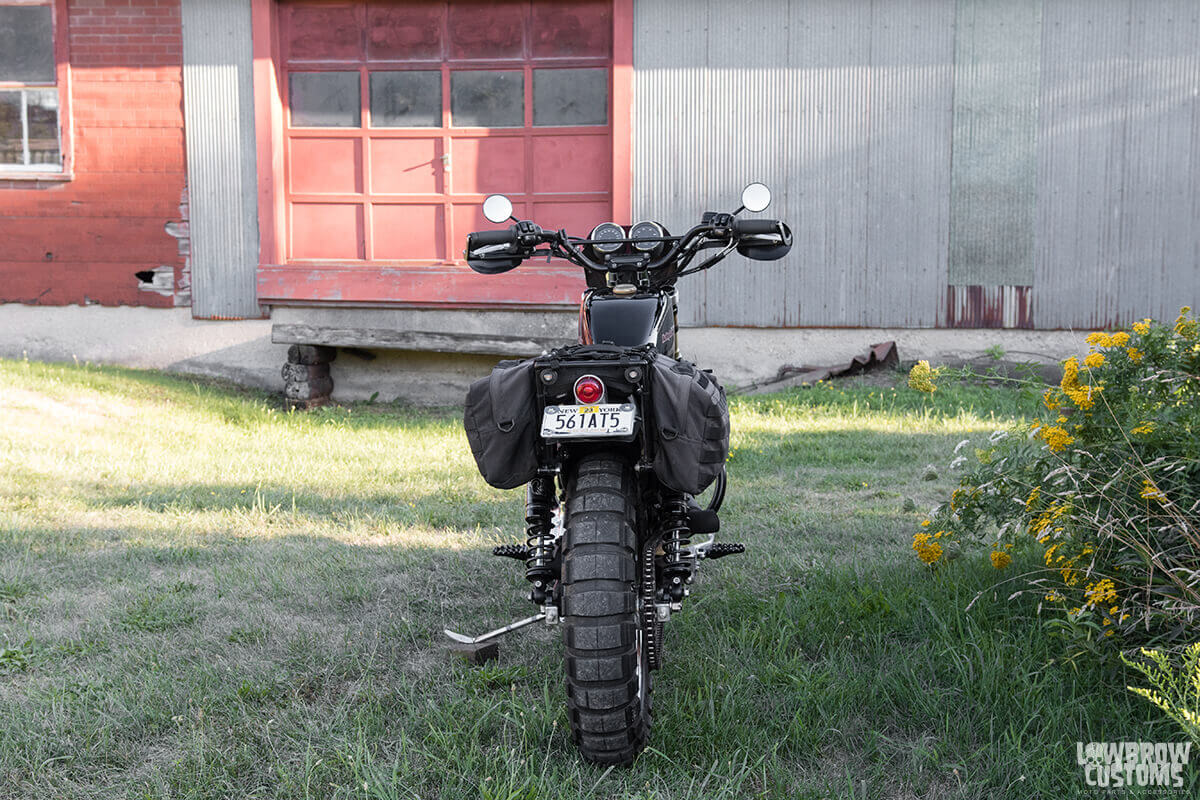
x=400 y=117
x=30 y=139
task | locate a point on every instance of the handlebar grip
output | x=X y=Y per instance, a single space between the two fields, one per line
x=753 y=227
x=485 y=238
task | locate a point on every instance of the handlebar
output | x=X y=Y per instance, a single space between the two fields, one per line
x=482 y=238
x=495 y=251
x=754 y=227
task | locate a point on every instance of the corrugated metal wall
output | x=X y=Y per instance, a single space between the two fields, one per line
x=935 y=158
x=218 y=104
x=1118 y=226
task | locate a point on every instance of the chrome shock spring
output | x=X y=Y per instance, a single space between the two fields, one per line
x=676 y=535
x=539 y=507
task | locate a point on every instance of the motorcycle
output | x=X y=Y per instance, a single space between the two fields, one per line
x=614 y=438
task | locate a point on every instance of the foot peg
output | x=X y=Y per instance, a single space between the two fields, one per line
x=517 y=551
x=722 y=549
x=710 y=548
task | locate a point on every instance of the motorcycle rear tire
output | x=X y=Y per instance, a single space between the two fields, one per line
x=608 y=674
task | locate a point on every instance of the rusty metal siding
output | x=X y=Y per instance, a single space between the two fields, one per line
x=843 y=108
x=1119 y=162
x=219 y=118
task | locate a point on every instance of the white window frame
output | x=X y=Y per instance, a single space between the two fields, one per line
x=62 y=170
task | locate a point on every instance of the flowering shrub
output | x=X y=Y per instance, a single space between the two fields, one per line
x=1105 y=488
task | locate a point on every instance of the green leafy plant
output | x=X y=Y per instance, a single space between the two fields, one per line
x=1177 y=693
x=1104 y=488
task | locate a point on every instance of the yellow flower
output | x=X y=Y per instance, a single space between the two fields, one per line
x=1185 y=327
x=1152 y=492
x=1080 y=395
x=926 y=549
x=1083 y=396
x=1104 y=591
x=921 y=377
x=925 y=524
x=1050 y=400
x=1097 y=339
x=1135 y=355
x=1057 y=438
x=1000 y=559
x=1034 y=494
x=1093 y=360
x=1054 y=597
x=1118 y=339
x=1145 y=427
x=1142 y=328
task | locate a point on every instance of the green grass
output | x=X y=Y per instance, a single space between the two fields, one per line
x=204 y=596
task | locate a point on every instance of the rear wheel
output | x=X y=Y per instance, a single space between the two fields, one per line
x=608 y=676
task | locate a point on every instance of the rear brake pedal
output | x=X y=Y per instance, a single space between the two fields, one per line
x=517 y=551
x=722 y=549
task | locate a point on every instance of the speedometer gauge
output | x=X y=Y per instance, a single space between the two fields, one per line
x=646 y=230
x=603 y=232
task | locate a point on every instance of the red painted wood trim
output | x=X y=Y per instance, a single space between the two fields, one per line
x=446 y=285
x=268 y=125
x=622 y=118
x=403 y=285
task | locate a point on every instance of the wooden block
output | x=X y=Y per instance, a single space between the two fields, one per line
x=476 y=654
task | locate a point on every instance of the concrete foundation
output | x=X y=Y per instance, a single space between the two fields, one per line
x=242 y=351
x=153 y=338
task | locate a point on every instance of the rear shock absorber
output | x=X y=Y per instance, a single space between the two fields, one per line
x=675 y=537
x=539 y=507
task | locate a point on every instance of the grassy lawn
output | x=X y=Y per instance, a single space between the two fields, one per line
x=203 y=596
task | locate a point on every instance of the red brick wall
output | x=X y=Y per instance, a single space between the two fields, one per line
x=81 y=241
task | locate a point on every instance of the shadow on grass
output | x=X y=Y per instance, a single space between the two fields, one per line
x=871 y=676
x=225 y=401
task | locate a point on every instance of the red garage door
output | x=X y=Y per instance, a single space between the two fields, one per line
x=398 y=118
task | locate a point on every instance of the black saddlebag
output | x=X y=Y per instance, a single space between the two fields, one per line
x=691 y=425
x=502 y=426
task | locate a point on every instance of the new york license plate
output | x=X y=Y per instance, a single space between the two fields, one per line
x=565 y=422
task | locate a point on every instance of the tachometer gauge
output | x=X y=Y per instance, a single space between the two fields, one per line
x=605 y=231
x=646 y=230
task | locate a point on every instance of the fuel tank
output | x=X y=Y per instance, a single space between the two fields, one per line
x=629 y=321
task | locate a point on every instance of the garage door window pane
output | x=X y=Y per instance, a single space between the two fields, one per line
x=487 y=99
x=570 y=97
x=26 y=44
x=324 y=99
x=406 y=99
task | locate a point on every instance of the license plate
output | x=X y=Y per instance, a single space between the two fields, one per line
x=566 y=422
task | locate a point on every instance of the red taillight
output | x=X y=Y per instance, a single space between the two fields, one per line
x=589 y=390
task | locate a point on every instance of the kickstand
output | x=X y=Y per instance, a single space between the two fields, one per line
x=480 y=649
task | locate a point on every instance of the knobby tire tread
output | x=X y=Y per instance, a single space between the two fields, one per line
x=600 y=619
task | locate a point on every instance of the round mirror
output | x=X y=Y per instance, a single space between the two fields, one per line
x=756 y=197
x=498 y=208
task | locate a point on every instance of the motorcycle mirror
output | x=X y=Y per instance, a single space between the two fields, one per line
x=498 y=208
x=756 y=197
